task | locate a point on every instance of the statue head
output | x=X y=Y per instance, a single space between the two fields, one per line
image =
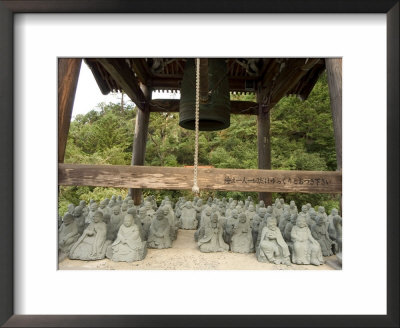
x=142 y=211
x=119 y=199
x=199 y=202
x=334 y=212
x=321 y=209
x=269 y=209
x=235 y=214
x=128 y=220
x=271 y=223
x=159 y=215
x=301 y=222
x=261 y=203
x=82 y=203
x=279 y=205
x=93 y=206
x=78 y=211
x=312 y=214
x=111 y=203
x=131 y=203
x=293 y=218
x=208 y=211
x=70 y=208
x=98 y=217
x=240 y=203
x=242 y=218
x=308 y=206
x=132 y=210
x=251 y=208
x=262 y=211
x=68 y=219
x=165 y=210
x=188 y=205
x=147 y=205
x=102 y=204
x=106 y=201
x=304 y=209
x=292 y=204
x=282 y=201
x=113 y=197
x=337 y=220
x=124 y=207
x=116 y=210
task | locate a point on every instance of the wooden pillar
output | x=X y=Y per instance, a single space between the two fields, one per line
x=68 y=74
x=264 y=145
x=139 y=141
x=334 y=75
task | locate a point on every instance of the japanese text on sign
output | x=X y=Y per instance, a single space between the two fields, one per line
x=273 y=181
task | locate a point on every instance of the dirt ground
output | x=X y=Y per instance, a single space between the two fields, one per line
x=185 y=255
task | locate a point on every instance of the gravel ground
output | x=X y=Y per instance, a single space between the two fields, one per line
x=185 y=255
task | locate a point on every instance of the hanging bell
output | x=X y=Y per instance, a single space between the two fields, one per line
x=214 y=112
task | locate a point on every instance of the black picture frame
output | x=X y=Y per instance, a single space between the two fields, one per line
x=7 y=11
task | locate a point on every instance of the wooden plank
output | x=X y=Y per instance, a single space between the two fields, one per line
x=334 y=75
x=172 y=106
x=139 y=141
x=180 y=178
x=68 y=75
x=123 y=75
x=140 y=70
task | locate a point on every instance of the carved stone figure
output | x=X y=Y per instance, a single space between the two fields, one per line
x=115 y=223
x=212 y=240
x=320 y=234
x=277 y=211
x=284 y=221
x=92 y=245
x=145 y=220
x=257 y=220
x=85 y=209
x=306 y=250
x=231 y=222
x=333 y=213
x=272 y=247
x=160 y=232
x=288 y=228
x=337 y=236
x=169 y=214
x=128 y=246
x=306 y=214
x=93 y=209
x=293 y=207
x=251 y=211
x=188 y=217
x=242 y=240
x=205 y=219
x=79 y=219
x=67 y=235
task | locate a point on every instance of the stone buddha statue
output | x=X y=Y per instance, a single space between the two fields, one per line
x=160 y=232
x=67 y=235
x=273 y=248
x=306 y=250
x=128 y=246
x=242 y=239
x=188 y=219
x=114 y=223
x=212 y=240
x=293 y=207
x=79 y=219
x=92 y=244
x=319 y=232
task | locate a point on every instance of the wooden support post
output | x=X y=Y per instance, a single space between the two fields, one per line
x=68 y=74
x=264 y=145
x=139 y=141
x=334 y=75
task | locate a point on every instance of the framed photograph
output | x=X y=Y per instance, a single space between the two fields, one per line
x=34 y=34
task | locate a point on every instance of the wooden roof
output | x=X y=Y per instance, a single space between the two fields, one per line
x=273 y=77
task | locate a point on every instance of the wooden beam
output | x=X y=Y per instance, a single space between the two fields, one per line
x=181 y=178
x=334 y=75
x=172 y=106
x=139 y=141
x=264 y=146
x=68 y=75
x=140 y=70
x=120 y=71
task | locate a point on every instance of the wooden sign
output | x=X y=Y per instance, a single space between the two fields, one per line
x=180 y=178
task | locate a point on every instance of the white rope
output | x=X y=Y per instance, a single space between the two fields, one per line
x=195 y=187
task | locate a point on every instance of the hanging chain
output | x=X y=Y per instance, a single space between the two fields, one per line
x=195 y=187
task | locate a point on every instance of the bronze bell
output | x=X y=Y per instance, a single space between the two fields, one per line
x=214 y=111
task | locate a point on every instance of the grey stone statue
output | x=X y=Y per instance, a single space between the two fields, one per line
x=67 y=235
x=160 y=232
x=293 y=207
x=92 y=244
x=272 y=247
x=145 y=220
x=115 y=223
x=212 y=240
x=288 y=228
x=93 y=209
x=284 y=221
x=188 y=219
x=205 y=219
x=306 y=250
x=242 y=240
x=231 y=222
x=320 y=234
x=79 y=219
x=128 y=246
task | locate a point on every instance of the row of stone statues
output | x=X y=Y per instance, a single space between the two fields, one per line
x=277 y=234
